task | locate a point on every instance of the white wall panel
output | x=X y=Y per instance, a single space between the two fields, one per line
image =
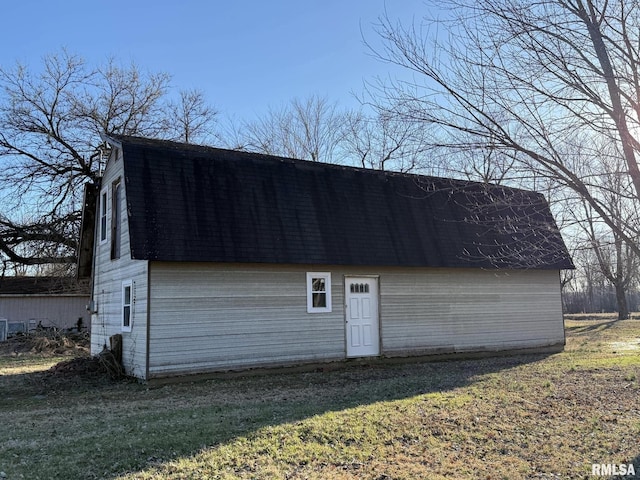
x=217 y=317
x=107 y=287
x=60 y=311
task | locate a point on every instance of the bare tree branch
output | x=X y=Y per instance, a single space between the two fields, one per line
x=537 y=83
x=309 y=129
x=50 y=125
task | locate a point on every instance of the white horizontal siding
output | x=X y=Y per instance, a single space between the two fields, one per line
x=216 y=317
x=466 y=310
x=107 y=286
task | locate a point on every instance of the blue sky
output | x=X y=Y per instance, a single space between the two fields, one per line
x=246 y=55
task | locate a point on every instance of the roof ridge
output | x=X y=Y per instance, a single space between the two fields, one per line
x=173 y=144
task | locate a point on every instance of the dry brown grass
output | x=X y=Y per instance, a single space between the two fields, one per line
x=531 y=416
x=47 y=343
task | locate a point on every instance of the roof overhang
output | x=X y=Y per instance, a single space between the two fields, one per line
x=111 y=141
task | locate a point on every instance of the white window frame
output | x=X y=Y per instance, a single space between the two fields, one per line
x=104 y=219
x=124 y=313
x=311 y=276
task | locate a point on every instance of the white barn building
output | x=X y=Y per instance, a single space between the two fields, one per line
x=211 y=260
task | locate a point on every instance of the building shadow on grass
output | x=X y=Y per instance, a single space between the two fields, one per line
x=249 y=404
x=176 y=421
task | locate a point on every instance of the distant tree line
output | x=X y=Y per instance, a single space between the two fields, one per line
x=600 y=299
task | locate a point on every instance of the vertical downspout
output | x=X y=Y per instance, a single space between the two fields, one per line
x=94 y=272
x=564 y=329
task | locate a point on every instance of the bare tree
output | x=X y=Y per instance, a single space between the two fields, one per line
x=50 y=126
x=309 y=129
x=384 y=142
x=191 y=118
x=537 y=82
x=617 y=262
x=315 y=129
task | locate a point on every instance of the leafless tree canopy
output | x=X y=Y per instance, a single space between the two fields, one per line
x=307 y=129
x=523 y=92
x=50 y=125
x=384 y=142
x=190 y=119
x=315 y=129
x=544 y=83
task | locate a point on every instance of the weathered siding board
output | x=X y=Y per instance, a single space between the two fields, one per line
x=216 y=317
x=60 y=311
x=108 y=320
x=461 y=310
x=107 y=285
x=244 y=316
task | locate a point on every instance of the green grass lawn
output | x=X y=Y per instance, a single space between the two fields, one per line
x=532 y=416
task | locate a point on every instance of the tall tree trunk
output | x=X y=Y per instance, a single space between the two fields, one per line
x=621 y=299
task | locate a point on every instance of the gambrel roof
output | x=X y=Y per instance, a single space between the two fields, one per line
x=189 y=203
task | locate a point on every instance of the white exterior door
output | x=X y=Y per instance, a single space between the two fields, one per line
x=362 y=324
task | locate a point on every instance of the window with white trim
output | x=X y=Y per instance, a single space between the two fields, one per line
x=103 y=217
x=318 y=292
x=127 y=303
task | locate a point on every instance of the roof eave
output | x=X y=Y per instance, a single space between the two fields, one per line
x=111 y=141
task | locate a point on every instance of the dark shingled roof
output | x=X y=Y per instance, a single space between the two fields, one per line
x=42 y=286
x=190 y=203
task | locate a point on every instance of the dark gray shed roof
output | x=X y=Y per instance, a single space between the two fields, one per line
x=43 y=286
x=190 y=203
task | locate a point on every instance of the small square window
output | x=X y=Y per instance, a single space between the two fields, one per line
x=318 y=292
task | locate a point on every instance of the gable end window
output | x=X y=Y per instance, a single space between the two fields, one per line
x=318 y=292
x=127 y=303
